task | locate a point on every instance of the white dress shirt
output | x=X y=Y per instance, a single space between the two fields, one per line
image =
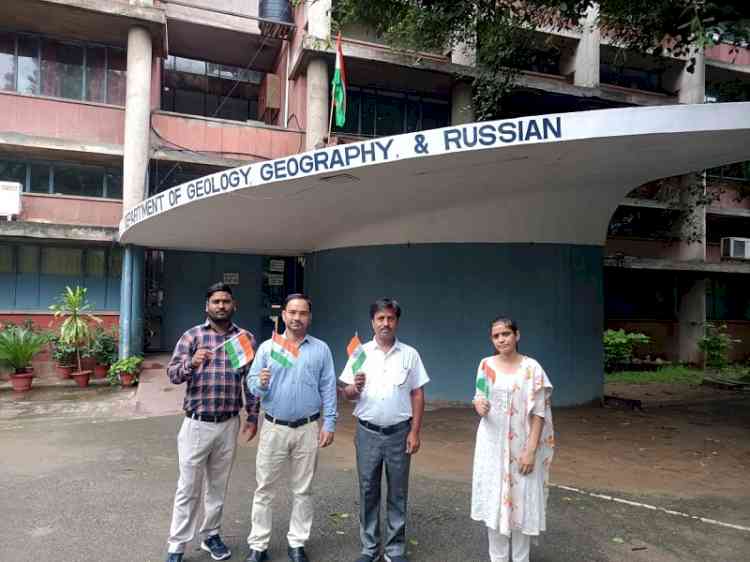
x=390 y=378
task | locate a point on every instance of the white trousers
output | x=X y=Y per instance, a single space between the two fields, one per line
x=278 y=447
x=500 y=546
x=206 y=452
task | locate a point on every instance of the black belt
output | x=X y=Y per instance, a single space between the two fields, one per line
x=387 y=430
x=217 y=418
x=294 y=423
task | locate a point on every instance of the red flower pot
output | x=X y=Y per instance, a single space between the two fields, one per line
x=81 y=378
x=100 y=371
x=21 y=381
x=64 y=371
x=127 y=379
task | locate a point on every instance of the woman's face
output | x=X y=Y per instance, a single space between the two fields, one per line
x=504 y=339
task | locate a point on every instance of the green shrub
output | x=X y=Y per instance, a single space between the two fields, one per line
x=618 y=347
x=130 y=365
x=104 y=346
x=18 y=346
x=716 y=344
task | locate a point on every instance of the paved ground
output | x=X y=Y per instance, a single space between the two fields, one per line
x=82 y=488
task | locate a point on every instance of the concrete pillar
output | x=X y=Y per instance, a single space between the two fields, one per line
x=462 y=107
x=691 y=316
x=692 y=85
x=137 y=114
x=464 y=54
x=319 y=18
x=318 y=106
x=136 y=153
x=586 y=61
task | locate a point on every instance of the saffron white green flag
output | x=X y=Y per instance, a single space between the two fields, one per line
x=239 y=350
x=356 y=353
x=338 y=85
x=283 y=351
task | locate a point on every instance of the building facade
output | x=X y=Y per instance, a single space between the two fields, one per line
x=105 y=102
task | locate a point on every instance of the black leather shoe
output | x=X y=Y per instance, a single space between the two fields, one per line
x=257 y=556
x=297 y=554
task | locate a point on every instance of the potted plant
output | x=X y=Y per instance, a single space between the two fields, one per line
x=64 y=356
x=18 y=346
x=75 y=330
x=104 y=350
x=125 y=371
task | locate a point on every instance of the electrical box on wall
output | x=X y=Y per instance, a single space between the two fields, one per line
x=10 y=199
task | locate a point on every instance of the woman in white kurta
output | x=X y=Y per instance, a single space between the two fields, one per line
x=514 y=448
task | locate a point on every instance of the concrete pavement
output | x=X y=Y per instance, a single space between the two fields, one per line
x=83 y=489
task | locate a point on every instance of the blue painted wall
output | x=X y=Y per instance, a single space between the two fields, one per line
x=450 y=293
x=187 y=275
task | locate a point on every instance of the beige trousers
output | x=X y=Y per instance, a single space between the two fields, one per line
x=206 y=452
x=278 y=447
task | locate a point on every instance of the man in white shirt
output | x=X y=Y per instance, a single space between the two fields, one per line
x=389 y=390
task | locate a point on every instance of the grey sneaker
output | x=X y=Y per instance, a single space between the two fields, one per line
x=174 y=557
x=216 y=548
x=395 y=558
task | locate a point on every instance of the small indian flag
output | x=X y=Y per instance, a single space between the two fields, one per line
x=239 y=350
x=338 y=85
x=356 y=353
x=485 y=379
x=283 y=351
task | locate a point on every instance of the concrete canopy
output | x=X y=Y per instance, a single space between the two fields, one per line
x=547 y=179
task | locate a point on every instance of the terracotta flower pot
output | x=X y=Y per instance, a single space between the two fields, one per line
x=127 y=379
x=81 y=378
x=100 y=371
x=64 y=371
x=88 y=363
x=22 y=381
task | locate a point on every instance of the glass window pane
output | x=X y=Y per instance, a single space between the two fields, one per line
x=62 y=70
x=95 y=263
x=28 y=64
x=7 y=61
x=39 y=178
x=369 y=101
x=79 y=180
x=186 y=101
x=28 y=259
x=115 y=262
x=435 y=115
x=13 y=171
x=114 y=183
x=390 y=115
x=62 y=261
x=95 y=73
x=116 y=76
x=412 y=116
x=6 y=258
x=189 y=65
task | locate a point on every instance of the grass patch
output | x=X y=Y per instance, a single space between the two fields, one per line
x=673 y=374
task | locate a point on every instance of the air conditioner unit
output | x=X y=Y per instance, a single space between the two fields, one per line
x=10 y=199
x=735 y=248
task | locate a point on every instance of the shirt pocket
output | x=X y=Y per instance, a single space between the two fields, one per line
x=399 y=372
x=310 y=376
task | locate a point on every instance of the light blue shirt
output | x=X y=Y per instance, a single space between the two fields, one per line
x=299 y=391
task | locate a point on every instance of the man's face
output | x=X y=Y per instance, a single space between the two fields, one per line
x=297 y=315
x=385 y=324
x=220 y=306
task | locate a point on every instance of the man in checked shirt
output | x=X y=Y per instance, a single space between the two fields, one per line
x=207 y=440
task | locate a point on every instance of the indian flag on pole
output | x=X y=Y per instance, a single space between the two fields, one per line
x=485 y=379
x=283 y=351
x=239 y=350
x=356 y=353
x=338 y=85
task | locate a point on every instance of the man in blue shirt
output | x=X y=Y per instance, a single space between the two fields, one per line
x=293 y=375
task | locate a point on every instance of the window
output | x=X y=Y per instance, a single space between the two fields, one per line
x=64 y=178
x=28 y=259
x=737 y=171
x=376 y=113
x=62 y=261
x=30 y=64
x=196 y=87
x=6 y=259
x=635 y=78
x=96 y=263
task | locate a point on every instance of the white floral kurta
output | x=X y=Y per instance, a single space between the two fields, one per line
x=501 y=497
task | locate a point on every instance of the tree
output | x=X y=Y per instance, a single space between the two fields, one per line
x=501 y=31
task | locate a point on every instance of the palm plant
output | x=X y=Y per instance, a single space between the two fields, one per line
x=73 y=305
x=18 y=346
